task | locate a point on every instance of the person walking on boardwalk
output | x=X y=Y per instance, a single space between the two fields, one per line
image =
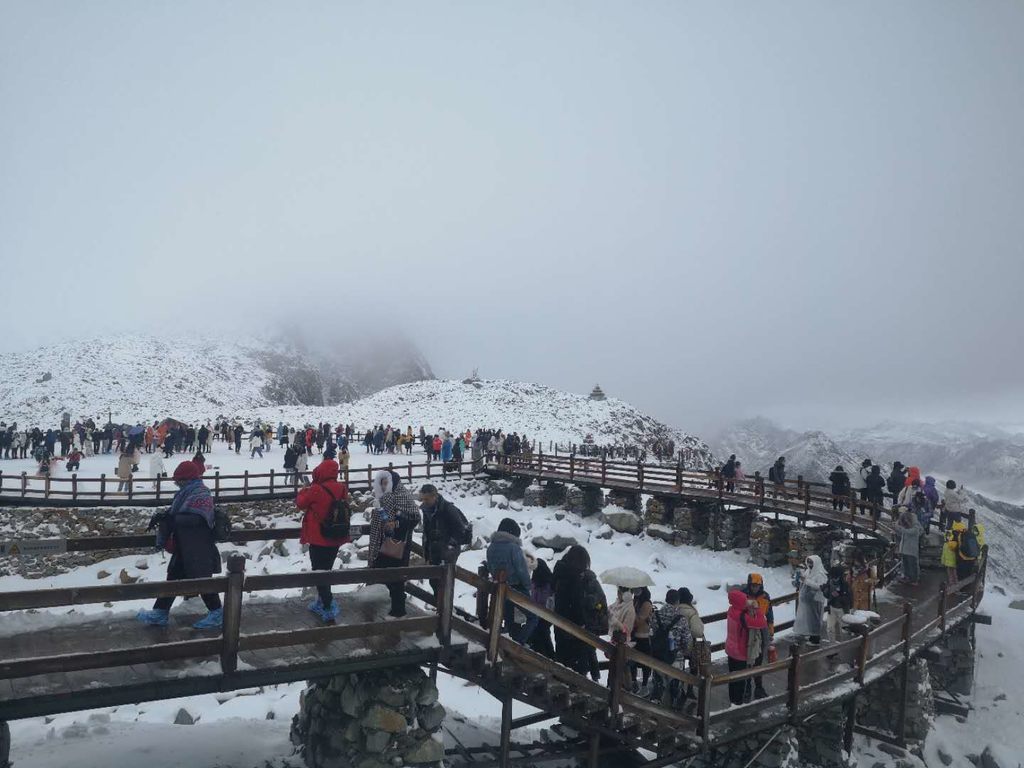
x=324 y=506
x=186 y=531
x=392 y=523
x=445 y=529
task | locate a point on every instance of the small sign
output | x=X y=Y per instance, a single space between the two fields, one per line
x=33 y=547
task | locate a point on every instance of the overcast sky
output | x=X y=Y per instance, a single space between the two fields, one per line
x=809 y=210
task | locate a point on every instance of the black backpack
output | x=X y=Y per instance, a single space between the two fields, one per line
x=463 y=537
x=338 y=524
x=970 y=547
x=595 y=605
x=221 y=525
x=661 y=639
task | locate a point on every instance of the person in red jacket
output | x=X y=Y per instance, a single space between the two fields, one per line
x=317 y=502
x=743 y=616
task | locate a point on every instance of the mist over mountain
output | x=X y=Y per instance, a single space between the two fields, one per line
x=147 y=376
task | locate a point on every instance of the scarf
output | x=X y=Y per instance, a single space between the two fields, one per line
x=194 y=498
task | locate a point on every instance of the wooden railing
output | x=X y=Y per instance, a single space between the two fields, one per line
x=102 y=490
x=794 y=497
x=919 y=625
x=231 y=640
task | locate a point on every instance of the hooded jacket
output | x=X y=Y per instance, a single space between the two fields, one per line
x=738 y=623
x=316 y=503
x=505 y=553
x=764 y=600
x=910 y=531
x=931 y=492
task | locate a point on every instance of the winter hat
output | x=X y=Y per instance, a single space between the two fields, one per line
x=187 y=470
x=508 y=525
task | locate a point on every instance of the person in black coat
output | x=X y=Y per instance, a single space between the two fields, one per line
x=568 y=581
x=840 y=487
x=186 y=530
x=874 y=490
x=444 y=529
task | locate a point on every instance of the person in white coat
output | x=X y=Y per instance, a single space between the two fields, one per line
x=301 y=463
x=156 y=466
x=811 y=601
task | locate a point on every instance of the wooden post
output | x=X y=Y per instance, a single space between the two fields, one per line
x=245 y=484
x=862 y=657
x=679 y=474
x=506 y=732
x=901 y=715
x=131 y=484
x=807 y=498
x=445 y=598
x=497 y=616
x=271 y=482
x=232 y=614
x=159 y=477
x=74 y=486
x=216 y=485
x=103 y=486
x=572 y=466
x=942 y=611
x=793 y=682
x=616 y=674
x=24 y=483
x=640 y=476
x=604 y=469
x=704 y=703
x=848 y=723
x=594 y=750
x=409 y=471
x=428 y=467
x=369 y=476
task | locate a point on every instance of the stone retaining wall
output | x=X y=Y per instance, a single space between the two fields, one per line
x=375 y=719
x=878 y=706
x=953 y=670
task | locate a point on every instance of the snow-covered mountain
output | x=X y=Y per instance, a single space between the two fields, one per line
x=758 y=442
x=986 y=458
x=541 y=412
x=139 y=377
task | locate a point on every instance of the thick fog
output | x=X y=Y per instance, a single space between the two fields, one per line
x=806 y=210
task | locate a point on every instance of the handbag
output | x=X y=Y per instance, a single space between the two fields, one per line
x=702 y=653
x=393 y=548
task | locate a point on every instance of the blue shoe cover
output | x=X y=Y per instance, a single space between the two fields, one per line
x=154 y=617
x=213 y=620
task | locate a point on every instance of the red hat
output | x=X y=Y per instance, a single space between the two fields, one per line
x=187 y=470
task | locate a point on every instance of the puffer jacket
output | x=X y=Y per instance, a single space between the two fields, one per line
x=738 y=623
x=316 y=503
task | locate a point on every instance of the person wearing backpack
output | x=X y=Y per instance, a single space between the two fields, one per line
x=671 y=642
x=505 y=553
x=696 y=625
x=186 y=530
x=538 y=631
x=445 y=530
x=969 y=544
x=743 y=616
x=324 y=506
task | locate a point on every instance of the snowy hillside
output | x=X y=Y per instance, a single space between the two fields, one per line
x=144 y=377
x=540 y=412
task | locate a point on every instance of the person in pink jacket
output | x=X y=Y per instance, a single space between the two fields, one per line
x=744 y=615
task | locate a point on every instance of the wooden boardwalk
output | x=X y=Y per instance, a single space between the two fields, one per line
x=108 y=660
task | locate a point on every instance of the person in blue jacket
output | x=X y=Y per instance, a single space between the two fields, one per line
x=505 y=553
